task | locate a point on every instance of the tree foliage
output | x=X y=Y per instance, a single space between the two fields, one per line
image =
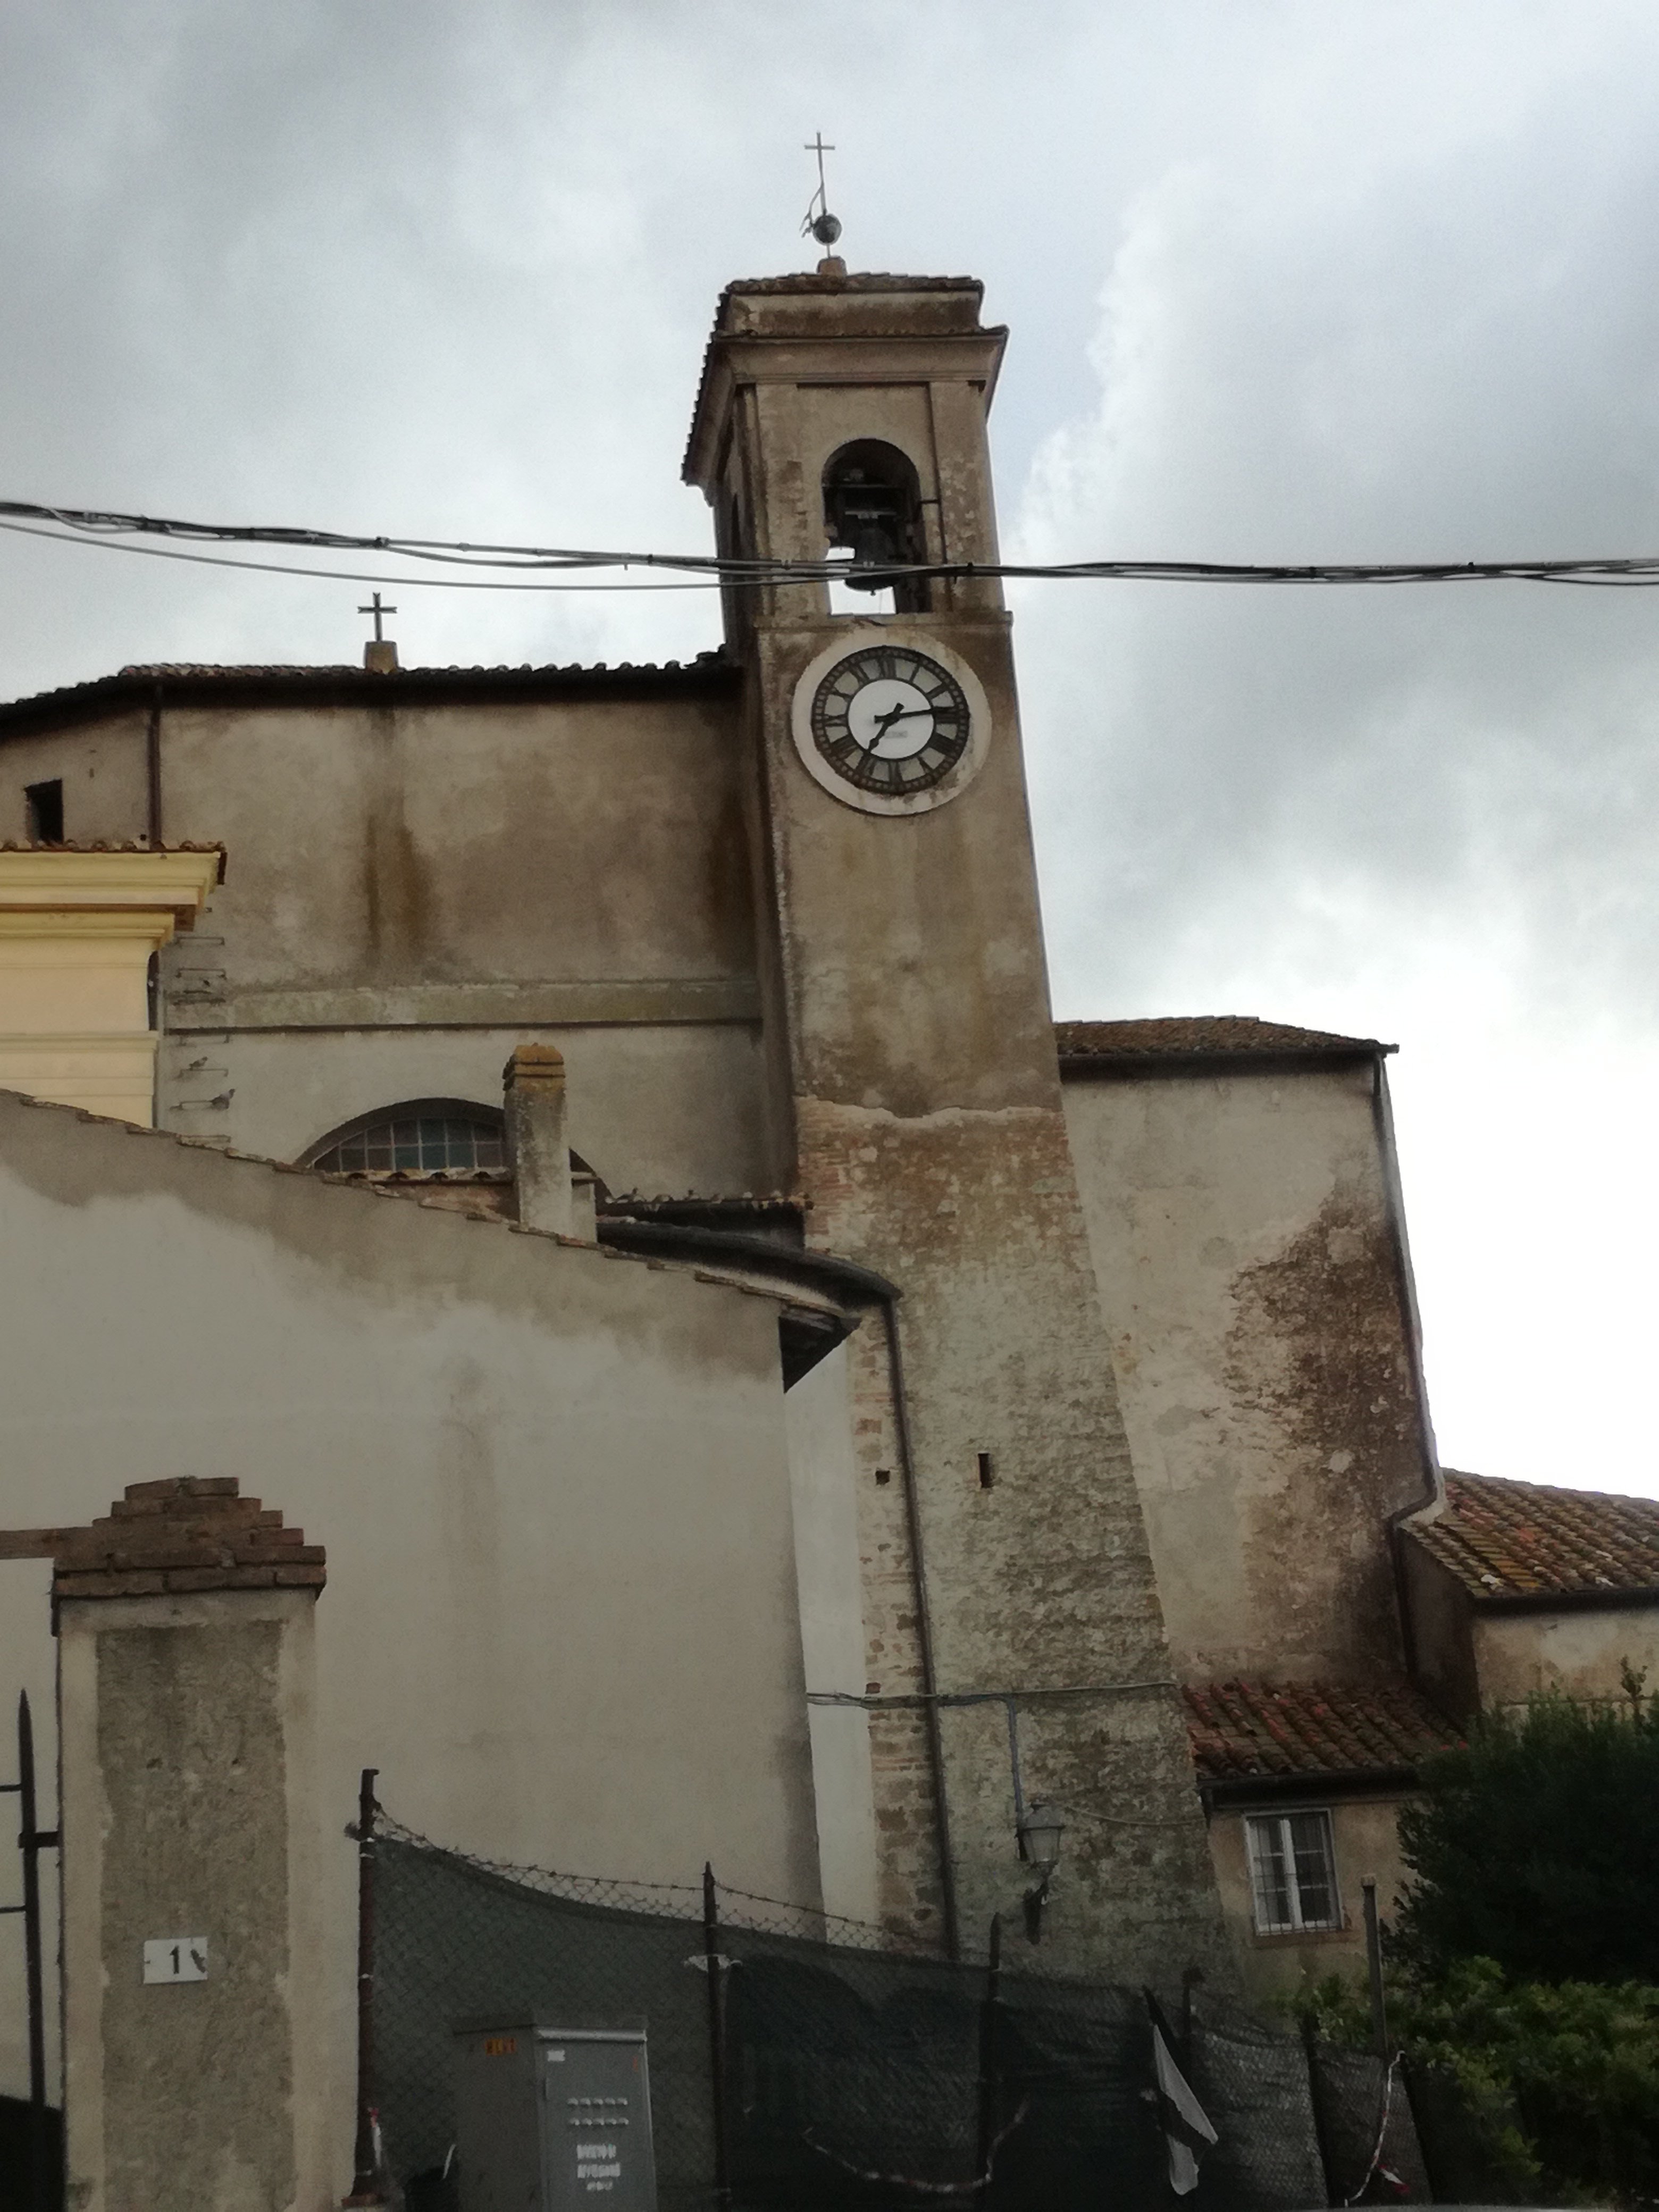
x=1557 y=2082
x=1525 y=1954
x=1537 y=1845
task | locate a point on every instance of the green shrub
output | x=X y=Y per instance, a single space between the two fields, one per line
x=1537 y=1846
x=1575 y=2063
x=1558 y=2082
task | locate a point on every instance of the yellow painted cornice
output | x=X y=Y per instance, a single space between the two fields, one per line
x=59 y=881
x=67 y=925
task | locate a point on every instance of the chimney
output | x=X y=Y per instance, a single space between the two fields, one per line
x=538 y=1145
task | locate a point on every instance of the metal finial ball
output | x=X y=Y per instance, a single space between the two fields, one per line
x=826 y=229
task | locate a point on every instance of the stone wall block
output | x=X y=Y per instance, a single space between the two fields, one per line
x=186 y=1722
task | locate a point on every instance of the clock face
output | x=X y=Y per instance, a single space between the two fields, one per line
x=890 y=720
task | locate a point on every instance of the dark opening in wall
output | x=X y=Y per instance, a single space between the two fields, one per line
x=872 y=504
x=988 y=1474
x=42 y=805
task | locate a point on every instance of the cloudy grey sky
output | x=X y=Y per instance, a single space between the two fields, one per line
x=1288 y=280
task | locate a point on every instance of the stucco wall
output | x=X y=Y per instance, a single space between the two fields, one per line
x=1365 y=1833
x=1241 y=1234
x=103 y=772
x=653 y=1109
x=1581 y=1652
x=823 y=1476
x=562 y=1611
x=414 y=889
x=1441 y=1628
x=1472 y=1656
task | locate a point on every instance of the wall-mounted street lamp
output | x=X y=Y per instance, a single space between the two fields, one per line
x=1039 y=1833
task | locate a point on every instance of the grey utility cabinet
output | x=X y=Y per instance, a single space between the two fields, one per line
x=551 y=2116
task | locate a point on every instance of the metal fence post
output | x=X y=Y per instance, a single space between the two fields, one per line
x=1374 y=1961
x=987 y=2062
x=712 y=1964
x=32 y=1841
x=366 y=2181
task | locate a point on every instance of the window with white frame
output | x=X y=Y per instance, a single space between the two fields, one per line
x=1293 y=1872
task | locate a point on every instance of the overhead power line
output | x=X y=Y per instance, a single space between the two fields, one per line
x=83 y=526
x=345 y=575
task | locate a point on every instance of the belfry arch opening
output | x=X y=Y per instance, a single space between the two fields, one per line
x=872 y=508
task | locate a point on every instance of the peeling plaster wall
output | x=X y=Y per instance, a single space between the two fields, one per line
x=1442 y=1630
x=1584 y=1652
x=561 y=1614
x=1241 y=1234
x=102 y=770
x=823 y=1476
x=189 y=1809
x=411 y=891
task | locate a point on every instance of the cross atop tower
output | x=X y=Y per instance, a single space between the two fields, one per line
x=818 y=223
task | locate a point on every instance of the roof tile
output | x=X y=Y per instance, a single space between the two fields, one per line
x=1183 y=1036
x=1243 y=1730
x=331 y=682
x=1506 y=1540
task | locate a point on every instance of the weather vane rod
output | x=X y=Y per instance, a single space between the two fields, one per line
x=818 y=223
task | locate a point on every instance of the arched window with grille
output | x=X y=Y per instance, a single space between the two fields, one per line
x=421 y=1136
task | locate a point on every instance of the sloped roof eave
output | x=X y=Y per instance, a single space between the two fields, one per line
x=1519 y=1546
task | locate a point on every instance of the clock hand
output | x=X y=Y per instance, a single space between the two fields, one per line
x=885 y=722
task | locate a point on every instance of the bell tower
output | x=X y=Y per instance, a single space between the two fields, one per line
x=1015 y=1647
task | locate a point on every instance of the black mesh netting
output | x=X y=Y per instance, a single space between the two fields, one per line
x=856 y=2076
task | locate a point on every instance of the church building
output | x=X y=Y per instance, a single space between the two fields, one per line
x=593 y=1147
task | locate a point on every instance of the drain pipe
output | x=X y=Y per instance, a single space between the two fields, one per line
x=153 y=770
x=1411 y=1327
x=924 y=1630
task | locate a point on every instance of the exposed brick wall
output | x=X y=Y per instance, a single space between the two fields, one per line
x=187 y=1534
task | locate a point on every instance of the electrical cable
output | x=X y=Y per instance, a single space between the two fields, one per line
x=344 y=575
x=83 y=526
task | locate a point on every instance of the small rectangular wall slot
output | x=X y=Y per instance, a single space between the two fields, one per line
x=43 y=804
x=884 y=1476
x=988 y=1474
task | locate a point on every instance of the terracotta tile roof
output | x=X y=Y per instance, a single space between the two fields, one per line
x=1239 y=1730
x=1203 y=1036
x=850 y=281
x=163 y=670
x=112 y=845
x=1509 y=1540
x=345 y=683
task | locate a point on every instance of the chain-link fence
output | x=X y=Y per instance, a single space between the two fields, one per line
x=852 y=2074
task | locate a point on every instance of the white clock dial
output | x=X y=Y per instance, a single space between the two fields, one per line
x=890 y=719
